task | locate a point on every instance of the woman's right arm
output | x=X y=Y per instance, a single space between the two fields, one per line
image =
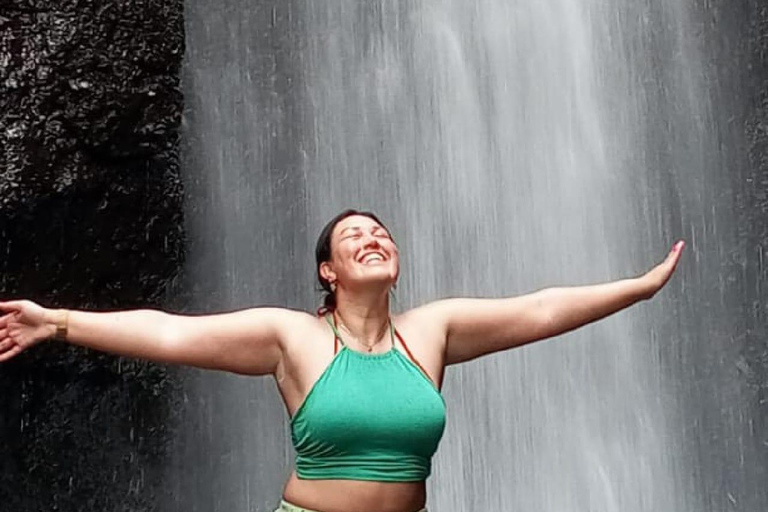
x=246 y=342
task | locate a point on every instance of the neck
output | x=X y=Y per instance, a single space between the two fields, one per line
x=364 y=315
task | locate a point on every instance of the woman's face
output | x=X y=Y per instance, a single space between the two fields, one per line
x=362 y=252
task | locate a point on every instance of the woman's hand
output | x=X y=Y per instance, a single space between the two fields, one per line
x=657 y=277
x=22 y=325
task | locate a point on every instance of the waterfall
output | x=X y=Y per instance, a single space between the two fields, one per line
x=509 y=146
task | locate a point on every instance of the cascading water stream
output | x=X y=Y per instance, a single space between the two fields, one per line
x=509 y=146
x=480 y=129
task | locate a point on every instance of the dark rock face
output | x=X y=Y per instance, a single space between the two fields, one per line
x=90 y=217
x=88 y=114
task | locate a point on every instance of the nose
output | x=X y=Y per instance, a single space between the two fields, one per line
x=370 y=241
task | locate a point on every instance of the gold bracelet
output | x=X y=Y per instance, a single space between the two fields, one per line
x=62 y=324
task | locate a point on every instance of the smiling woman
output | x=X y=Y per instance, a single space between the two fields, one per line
x=365 y=405
x=354 y=226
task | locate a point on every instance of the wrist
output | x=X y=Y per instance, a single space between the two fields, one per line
x=57 y=323
x=646 y=287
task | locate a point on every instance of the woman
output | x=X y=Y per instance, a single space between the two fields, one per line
x=361 y=387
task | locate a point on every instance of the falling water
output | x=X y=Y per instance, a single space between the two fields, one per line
x=509 y=146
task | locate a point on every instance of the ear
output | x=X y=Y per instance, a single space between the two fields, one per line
x=327 y=271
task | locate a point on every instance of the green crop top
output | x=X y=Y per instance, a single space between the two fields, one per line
x=369 y=417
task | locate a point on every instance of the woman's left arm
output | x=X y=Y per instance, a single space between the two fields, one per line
x=476 y=327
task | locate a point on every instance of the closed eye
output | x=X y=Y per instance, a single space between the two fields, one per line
x=380 y=232
x=356 y=232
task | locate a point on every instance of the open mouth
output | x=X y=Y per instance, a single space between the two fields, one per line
x=372 y=258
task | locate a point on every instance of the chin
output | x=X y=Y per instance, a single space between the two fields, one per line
x=377 y=278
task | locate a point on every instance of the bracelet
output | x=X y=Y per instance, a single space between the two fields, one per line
x=62 y=324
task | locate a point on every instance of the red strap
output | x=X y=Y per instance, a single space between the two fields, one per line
x=416 y=362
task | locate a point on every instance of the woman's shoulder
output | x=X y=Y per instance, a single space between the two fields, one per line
x=423 y=323
x=297 y=324
x=285 y=322
x=430 y=313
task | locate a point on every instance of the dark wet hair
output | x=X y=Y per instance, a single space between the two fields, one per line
x=323 y=254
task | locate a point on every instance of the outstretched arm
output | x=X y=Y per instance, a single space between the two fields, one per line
x=247 y=341
x=475 y=327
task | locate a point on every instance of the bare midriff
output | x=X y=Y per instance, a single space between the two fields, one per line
x=355 y=495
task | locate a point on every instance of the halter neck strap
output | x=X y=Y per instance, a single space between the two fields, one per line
x=332 y=321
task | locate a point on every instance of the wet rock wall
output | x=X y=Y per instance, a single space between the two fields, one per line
x=90 y=217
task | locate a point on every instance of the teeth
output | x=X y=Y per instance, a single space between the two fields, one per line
x=371 y=257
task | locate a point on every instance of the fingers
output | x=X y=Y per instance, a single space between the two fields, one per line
x=10 y=306
x=677 y=251
x=674 y=254
x=12 y=342
x=663 y=272
x=8 y=348
x=676 y=248
x=6 y=319
x=13 y=336
x=4 y=356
